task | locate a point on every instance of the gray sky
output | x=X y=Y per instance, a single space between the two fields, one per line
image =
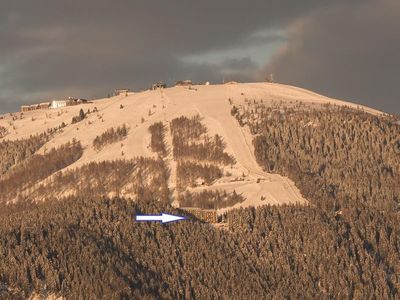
x=51 y=49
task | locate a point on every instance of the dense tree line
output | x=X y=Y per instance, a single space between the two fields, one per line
x=110 y=136
x=188 y=128
x=92 y=248
x=188 y=173
x=130 y=178
x=157 y=142
x=210 y=199
x=351 y=156
x=36 y=168
x=211 y=150
x=190 y=141
x=346 y=162
x=307 y=253
x=14 y=152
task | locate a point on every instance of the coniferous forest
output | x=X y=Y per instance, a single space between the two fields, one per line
x=344 y=245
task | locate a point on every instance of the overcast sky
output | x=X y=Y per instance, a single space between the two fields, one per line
x=343 y=49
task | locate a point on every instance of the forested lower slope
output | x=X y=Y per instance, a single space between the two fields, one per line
x=92 y=249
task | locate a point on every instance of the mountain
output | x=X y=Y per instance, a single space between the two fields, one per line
x=138 y=111
x=307 y=188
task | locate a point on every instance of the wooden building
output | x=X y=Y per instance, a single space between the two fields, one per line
x=44 y=105
x=81 y=101
x=75 y=101
x=158 y=85
x=118 y=92
x=34 y=107
x=25 y=108
x=206 y=215
x=184 y=83
x=53 y=104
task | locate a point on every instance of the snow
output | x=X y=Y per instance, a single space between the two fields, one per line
x=210 y=101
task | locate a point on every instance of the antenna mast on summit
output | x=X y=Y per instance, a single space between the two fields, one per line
x=271 y=77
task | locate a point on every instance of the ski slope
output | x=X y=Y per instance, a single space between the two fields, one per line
x=140 y=110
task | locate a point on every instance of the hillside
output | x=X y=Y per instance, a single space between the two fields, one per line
x=307 y=188
x=138 y=111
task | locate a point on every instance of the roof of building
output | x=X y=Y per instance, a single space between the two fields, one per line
x=199 y=209
x=180 y=82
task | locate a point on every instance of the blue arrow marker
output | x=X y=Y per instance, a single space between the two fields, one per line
x=163 y=218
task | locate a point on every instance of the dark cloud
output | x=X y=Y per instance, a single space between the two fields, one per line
x=350 y=51
x=87 y=48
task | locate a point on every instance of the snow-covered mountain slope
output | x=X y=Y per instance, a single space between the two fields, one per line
x=140 y=110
